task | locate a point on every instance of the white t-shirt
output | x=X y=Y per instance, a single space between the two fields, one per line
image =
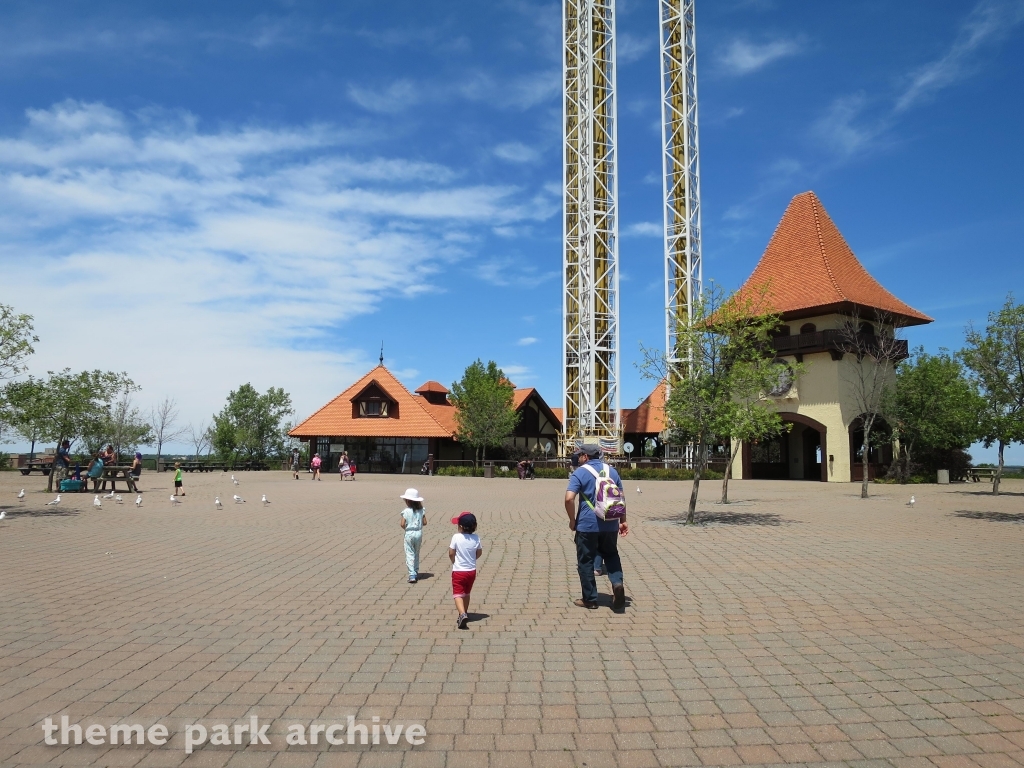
x=465 y=546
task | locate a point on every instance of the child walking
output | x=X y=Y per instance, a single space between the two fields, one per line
x=414 y=517
x=177 y=479
x=463 y=552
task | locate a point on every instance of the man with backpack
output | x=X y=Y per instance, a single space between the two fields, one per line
x=597 y=521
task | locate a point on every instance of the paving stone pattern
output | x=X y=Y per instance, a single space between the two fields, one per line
x=800 y=625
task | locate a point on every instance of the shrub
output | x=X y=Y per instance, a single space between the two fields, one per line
x=5 y=461
x=558 y=473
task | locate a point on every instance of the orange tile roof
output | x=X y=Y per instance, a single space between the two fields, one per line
x=810 y=269
x=649 y=416
x=416 y=415
x=432 y=386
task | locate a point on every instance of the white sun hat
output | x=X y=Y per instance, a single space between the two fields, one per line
x=411 y=494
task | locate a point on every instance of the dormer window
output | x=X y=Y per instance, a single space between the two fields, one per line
x=372 y=408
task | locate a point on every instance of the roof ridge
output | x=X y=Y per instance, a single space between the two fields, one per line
x=821 y=245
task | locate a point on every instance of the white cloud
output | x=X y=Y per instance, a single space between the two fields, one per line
x=990 y=21
x=644 y=229
x=395 y=98
x=630 y=48
x=741 y=57
x=845 y=128
x=527 y=341
x=517 y=152
x=242 y=253
x=518 y=374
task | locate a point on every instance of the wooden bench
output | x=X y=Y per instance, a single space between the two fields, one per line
x=43 y=465
x=112 y=475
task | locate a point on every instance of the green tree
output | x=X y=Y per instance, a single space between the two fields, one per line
x=120 y=424
x=250 y=423
x=484 y=414
x=995 y=357
x=932 y=405
x=74 y=402
x=725 y=363
x=16 y=340
x=23 y=409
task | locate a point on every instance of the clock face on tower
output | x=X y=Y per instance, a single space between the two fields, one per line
x=783 y=380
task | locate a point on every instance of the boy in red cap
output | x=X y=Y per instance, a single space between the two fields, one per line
x=463 y=552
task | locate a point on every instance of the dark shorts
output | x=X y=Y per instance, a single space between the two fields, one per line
x=177 y=483
x=462 y=583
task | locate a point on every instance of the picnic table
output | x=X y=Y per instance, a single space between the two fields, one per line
x=43 y=465
x=115 y=473
x=976 y=474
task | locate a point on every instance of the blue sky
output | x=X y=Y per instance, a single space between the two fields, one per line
x=264 y=191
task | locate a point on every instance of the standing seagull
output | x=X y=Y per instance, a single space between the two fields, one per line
x=175 y=501
x=217 y=504
x=55 y=502
x=138 y=500
x=119 y=499
x=21 y=496
x=233 y=480
x=3 y=514
x=265 y=502
x=96 y=501
x=109 y=495
x=239 y=499
x=638 y=490
x=912 y=501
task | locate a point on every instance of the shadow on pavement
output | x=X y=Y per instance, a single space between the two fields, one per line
x=729 y=518
x=989 y=493
x=13 y=513
x=993 y=517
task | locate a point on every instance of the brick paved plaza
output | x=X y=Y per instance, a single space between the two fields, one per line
x=800 y=625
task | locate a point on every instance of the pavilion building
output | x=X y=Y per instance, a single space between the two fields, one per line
x=386 y=428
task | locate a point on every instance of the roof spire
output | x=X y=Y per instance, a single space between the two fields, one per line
x=382 y=352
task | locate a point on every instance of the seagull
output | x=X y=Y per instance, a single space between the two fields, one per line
x=55 y=502
x=3 y=514
x=912 y=501
x=138 y=500
x=217 y=504
x=239 y=499
x=174 y=500
x=265 y=502
x=109 y=495
x=119 y=499
x=21 y=496
x=96 y=501
x=638 y=490
x=233 y=480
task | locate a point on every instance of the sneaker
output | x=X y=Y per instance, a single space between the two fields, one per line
x=585 y=604
x=619 y=597
x=412 y=579
x=461 y=621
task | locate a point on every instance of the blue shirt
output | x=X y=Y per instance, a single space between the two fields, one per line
x=583 y=483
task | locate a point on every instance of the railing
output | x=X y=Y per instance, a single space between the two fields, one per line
x=832 y=340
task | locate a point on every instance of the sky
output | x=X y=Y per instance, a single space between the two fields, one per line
x=208 y=194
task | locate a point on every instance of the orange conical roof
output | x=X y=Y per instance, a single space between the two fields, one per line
x=811 y=270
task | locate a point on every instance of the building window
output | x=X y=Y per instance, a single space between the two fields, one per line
x=373 y=408
x=808 y=328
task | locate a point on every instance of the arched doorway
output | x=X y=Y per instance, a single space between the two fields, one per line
x=879 y=452
x=800 y=454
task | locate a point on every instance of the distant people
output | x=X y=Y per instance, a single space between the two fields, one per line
x=593 y=535
x=295 y=463
x=463 y=552
x=108 y=456
x=521 y=469
x=178 y=486
x=136 y=470
x=315 y=466
x=344 y=467
x=531 y=471
x=414 y=517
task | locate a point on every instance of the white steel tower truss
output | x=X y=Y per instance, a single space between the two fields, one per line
x=681 y=171
x=590 y=296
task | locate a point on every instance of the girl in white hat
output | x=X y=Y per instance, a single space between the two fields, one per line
x=414 y=517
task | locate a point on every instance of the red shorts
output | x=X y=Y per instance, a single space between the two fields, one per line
x=462 y=583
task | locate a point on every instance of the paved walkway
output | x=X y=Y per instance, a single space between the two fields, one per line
x=800 y=625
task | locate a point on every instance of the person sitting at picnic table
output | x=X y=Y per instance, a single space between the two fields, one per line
x=96 y=471
x=108 y=456
x=136 y=470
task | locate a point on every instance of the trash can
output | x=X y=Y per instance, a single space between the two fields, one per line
x=488 y=469
x=943 y=477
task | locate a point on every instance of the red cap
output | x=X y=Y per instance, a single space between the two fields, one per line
x=457 y=520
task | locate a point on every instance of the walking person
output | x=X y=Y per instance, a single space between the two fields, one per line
x=315 y=466
x=594 y=536
x=414 y=517
x=344 y=467
x=177 y=479
x=464 y=551
x=295 y=463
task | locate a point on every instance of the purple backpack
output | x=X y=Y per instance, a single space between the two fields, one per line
x=609 y=503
